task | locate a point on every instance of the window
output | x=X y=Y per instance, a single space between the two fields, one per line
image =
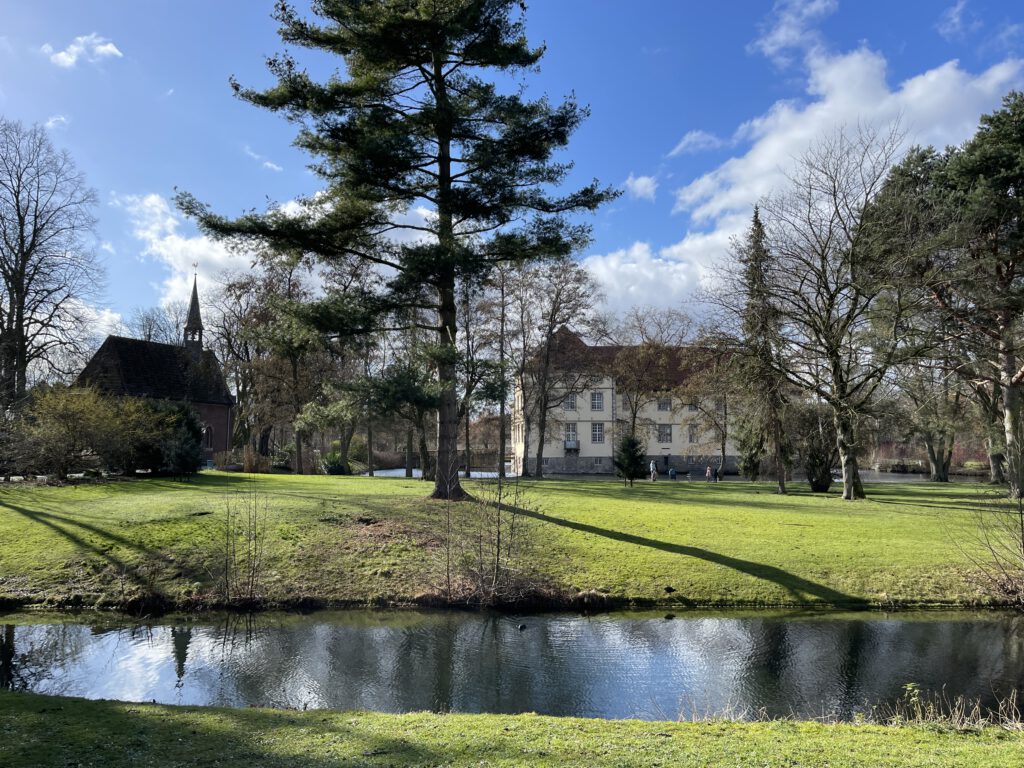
x=664 y=403
x=569 y=404
x=544 y=461
x=598 y=461
x=693 y=434
x=570 y=432
x=597 y=432
x=208 y=438
x=692 y=407
x=597 y=401
x=720 y=404
x=625 y=402
x=664 y=433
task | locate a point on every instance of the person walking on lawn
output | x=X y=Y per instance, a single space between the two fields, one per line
x=654 y=471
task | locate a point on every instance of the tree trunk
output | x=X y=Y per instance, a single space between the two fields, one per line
x=936 y=458
x=344 y=444
x=408 y=452
x=780 y=463
x=446 y=481
x=542 y=426
x=468 y=457
x=501 y=374
x=369 y=445
x=1011 y=412
x=995 y=463
x=426 y=466
x=846 y=443
x=524 y=471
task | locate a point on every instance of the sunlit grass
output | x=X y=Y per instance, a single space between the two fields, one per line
x=363 y=540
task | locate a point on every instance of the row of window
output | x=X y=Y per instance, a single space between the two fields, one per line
x=597 y=403
x=597 y=433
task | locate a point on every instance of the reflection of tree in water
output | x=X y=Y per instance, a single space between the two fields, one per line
x=180 y=639
x=44 y=651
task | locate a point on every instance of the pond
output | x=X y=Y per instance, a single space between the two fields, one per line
x=613 y=666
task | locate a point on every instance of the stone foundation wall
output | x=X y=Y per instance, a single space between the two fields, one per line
x=590 y=465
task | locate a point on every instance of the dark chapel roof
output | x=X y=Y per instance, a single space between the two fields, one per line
x=140 y=368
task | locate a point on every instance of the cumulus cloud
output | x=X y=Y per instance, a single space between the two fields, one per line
x=157 y=226
x=268 y=164
x=789 y=27
x=940 y=106
x=55 y=121
x=637 y=276
x=641 y=187
x=697 y=141
x=91 y=48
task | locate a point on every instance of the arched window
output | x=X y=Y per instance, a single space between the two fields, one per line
x=208 y=438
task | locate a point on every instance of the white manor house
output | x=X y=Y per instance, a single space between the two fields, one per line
x=589 y=416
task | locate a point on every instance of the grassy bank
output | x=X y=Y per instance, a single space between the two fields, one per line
x=335 y=540
x=40 y=731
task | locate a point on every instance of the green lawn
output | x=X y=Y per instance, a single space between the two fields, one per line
x=372 y=540
x=39 y=732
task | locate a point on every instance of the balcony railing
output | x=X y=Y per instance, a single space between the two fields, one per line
x=572 y=445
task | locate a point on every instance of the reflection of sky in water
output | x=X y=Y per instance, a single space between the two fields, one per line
x=610 y=666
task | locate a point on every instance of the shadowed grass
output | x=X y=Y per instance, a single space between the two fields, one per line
x=40 y=732
x=363 y=540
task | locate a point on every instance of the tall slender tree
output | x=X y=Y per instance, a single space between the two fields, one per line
x=759 y=366
x=416 y=124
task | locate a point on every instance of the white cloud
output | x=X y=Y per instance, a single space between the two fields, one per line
x=169 y=92
x=641 y=187
x=636 y=276
x=270 y=166
x=790 y=26
x=697 y=141
x=91 y=48
x=940 y=107
x=102 y=321
x=956 y=22
x=156 y=225
x=56 y=121
x=108 y=247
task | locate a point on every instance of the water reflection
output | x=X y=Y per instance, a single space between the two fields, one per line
x=610 y=666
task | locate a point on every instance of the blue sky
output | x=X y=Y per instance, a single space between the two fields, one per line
x=698 y=108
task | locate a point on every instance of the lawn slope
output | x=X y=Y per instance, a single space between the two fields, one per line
x=39 y=732
x=356 y=540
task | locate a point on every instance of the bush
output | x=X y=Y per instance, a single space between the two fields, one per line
x=334 y=464
x=66 y=428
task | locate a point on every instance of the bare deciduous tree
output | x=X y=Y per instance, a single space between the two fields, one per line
x=47 y=268
x=163 y=324
x=840 y=309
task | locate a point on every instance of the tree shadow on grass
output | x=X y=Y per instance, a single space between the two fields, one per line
x=65 y=527
x=118 y=735
x=800 y=589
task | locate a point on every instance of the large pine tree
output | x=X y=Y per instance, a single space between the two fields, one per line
x=415 y=124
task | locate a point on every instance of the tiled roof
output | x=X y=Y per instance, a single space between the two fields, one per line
x=139 y=368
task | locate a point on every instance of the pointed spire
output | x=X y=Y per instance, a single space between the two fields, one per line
x=195 y=320
x=193 y=336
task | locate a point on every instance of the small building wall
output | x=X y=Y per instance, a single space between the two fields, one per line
x=218 y=419
x=590 y=456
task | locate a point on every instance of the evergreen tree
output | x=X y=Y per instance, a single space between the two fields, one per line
x=629 y=460
x=759 y=366
x=416 y=125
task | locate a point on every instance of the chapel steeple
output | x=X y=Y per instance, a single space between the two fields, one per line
x=194 y=324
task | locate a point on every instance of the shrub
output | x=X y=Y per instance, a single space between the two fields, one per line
x=629 y=460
